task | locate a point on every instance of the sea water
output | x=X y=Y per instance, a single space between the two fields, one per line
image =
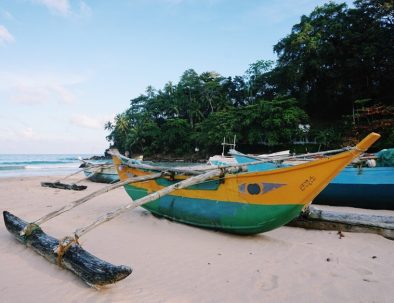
x=18 y=165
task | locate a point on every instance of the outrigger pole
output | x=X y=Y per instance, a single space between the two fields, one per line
x=69 y=254
x=72 y=256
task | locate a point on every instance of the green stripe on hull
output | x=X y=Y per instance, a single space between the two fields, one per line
x=233 y=217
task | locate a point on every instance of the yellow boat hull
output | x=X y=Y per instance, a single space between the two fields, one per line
x=244 y=203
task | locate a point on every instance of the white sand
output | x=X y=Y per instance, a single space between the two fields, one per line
x=178 y=263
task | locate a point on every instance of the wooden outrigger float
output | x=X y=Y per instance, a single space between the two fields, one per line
x=226 y=198
x=89 y=268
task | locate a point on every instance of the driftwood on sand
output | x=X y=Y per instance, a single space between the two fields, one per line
x=74 y=186
x=313 y=218
x=61 y=185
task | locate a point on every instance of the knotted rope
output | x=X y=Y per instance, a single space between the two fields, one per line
x=63 y=246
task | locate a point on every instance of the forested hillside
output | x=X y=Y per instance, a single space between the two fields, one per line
x=334 y=65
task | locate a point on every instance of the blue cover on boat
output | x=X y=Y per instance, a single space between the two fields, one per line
x=385 y=158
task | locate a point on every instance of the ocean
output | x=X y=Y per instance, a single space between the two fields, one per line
x=19 y=165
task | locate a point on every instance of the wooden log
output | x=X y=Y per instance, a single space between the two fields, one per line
x=63 y=185
x=94 y=271
x=320 y=219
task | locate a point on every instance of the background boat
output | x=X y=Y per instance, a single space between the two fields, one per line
x=365 y=187
x=360 y=186
x=103 y=171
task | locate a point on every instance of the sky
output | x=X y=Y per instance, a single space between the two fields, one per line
x=69 y=66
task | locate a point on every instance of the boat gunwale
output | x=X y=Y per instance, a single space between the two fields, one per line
x=279 y=170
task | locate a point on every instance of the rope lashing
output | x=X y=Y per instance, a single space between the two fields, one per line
x=28 y=230
x=63 y=246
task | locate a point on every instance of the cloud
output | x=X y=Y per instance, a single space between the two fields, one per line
x=61 y=7
x=27 y=134
x=6 y=15
x=29 y=95
x=65 y=95
x=38 y=88
x=5 y=36
x=33 y=95
x=85 y=121
x=85 y=9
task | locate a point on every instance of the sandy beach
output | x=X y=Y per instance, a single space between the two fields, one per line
x=177 y=263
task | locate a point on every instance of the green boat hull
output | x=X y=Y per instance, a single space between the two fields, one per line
x=102 y=177
x=232 y=217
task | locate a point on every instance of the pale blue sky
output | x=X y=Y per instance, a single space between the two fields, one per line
x=68 y=66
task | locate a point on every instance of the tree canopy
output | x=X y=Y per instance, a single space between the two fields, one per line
x=333 y=58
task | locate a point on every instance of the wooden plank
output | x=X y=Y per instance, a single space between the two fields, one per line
x=320 y=219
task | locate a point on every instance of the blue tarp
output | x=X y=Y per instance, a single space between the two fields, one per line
x=385 y=157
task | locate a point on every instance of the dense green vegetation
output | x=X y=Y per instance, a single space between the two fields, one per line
x=334 y=64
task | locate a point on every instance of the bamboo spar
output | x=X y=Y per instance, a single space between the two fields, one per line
x=153 y=196
x=92 y=195
x=129 y=162
x=70 y=255
x=67 y=252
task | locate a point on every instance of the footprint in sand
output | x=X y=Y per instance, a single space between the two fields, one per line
x=363 y=271
x=269 y=283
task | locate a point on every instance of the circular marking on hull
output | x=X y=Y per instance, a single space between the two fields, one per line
x=254 y=189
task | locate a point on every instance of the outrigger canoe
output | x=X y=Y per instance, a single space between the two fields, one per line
x=361 y=186
x=242 y=203
x=225 y=199
x=101 y=173
x=364 y=187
